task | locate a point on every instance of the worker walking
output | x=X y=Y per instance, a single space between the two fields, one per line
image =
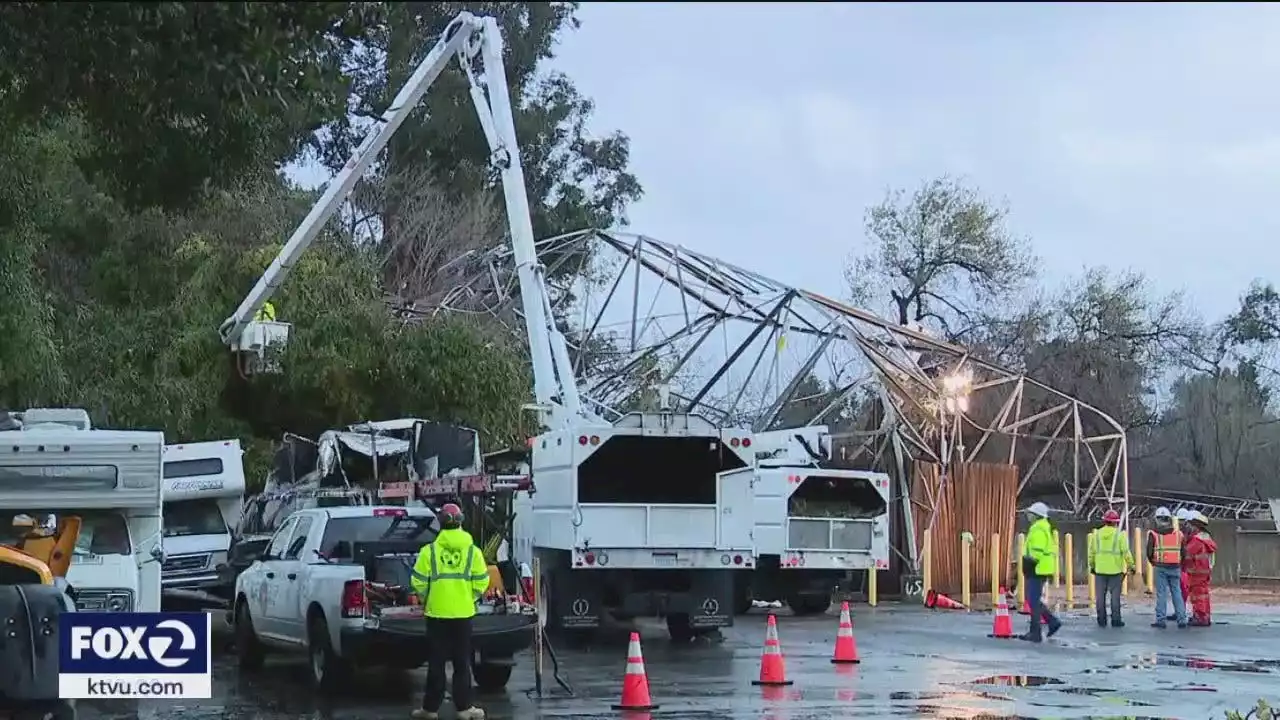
x=1040 y=564
x=1198 y=559
x=450 y=574
x=1164 y=552
x=1109 y=560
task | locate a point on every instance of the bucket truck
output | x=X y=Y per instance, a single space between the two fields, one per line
x=647 y=515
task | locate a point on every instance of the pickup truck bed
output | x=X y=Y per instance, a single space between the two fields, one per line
x=334 y=583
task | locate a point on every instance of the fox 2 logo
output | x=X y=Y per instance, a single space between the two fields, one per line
x=121 y=643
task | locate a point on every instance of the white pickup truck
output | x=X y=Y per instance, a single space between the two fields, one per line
x=334 y=582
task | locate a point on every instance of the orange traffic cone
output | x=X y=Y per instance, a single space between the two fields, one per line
x=635 y=683
x=1002 y=624
x=942 y=602
x=773 y=669
x=846 y=647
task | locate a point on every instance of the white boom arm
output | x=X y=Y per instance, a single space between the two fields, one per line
x=466 y=37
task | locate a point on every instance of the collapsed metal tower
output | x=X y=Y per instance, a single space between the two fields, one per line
x=742 y=349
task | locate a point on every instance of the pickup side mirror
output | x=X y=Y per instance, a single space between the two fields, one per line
x=157 y=553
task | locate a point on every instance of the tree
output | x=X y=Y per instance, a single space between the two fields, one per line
x=1218 y=436
x=180 y=94
x=575 y=180
x=945 y=254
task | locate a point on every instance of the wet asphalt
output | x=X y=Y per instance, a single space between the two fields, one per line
x=915 y=663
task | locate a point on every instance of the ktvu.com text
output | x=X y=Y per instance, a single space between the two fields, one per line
x=134 y=655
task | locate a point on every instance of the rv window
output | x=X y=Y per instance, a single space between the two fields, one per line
x=369 y=529
x=192 y=468
x=52 y=478
x=193 y=517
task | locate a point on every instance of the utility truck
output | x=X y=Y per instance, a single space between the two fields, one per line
x=55 y=462
x=640 y=516
x=203 y=494
x=814 y=524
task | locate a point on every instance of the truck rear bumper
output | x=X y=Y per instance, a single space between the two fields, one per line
x=492 y=636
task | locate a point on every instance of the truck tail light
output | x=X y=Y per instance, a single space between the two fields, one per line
x=354 y=602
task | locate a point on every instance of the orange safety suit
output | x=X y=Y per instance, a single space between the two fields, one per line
x=1197 y=562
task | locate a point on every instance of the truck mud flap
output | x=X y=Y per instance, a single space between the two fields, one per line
x=575 y=601
x=710 y=600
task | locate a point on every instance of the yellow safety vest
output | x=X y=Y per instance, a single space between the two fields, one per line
x=1109 y=552
x=452 y=574
x=1041 y=546
x=267 y=313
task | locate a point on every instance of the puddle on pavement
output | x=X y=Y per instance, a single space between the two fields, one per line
x=1148 y=662
x=957 y=695
x=1018 y=680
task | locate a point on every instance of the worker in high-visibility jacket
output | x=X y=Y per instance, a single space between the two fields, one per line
x=451 y=575
x=1040 y=564
x=266 y=313
x=1164 y=552
x=1197 y=559
x=1109 y=560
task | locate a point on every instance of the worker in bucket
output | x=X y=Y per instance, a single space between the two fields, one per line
x=1110 y=559
x=1164 y=552
x=1039 y=565
x=450 y=575
x=1197 y=560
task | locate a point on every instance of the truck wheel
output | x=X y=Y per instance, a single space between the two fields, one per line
x=808 y=604
x=680 y=631
x=249 y=651
x=326 y=666
x=491 y=678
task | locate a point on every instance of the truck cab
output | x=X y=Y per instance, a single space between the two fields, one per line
x=204 y=488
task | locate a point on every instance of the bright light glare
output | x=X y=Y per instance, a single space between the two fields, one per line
x=957 y=404
x=958 y=383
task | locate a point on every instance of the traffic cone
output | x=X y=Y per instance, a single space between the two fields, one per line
x=1002 y=624
x=635 y=683
x=942 y=602
x=846 y=647
x=773 y=669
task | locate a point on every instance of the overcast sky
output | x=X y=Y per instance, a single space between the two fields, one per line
x=1142 y=136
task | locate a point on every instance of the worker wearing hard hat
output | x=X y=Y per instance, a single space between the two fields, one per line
x=1164 y=552
x=1197 y=560
x=1040 y=564
x=266 y=313
x=1109 y=560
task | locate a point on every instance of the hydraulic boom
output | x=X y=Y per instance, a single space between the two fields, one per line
x=474 y=41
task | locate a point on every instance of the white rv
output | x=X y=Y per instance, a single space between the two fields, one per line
x=55 y=463
x=203 y=494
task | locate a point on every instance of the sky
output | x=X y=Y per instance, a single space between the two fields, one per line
x=1136 y=136
x=1133 y=136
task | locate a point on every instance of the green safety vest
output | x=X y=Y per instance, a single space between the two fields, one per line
x=1041 y=546
x=1109 y=552
x=452 y=574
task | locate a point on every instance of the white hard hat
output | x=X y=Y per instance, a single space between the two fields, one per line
x=1197 y=516
x=1039 y=509
x=1163 y=512
x=1182 y=514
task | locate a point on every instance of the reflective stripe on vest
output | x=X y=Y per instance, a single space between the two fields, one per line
x=1169 y=548
x=1201 y=556
x=465 y=574
x=1115 y=545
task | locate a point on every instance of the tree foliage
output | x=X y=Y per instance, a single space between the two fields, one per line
x=143 y=200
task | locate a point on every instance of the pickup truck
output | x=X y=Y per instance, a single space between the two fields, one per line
x=334 y=582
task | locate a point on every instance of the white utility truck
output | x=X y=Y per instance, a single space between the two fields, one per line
x=334 y=583
x=203 y=494
x=635 y=517
x=814 y=524
x=56 y=463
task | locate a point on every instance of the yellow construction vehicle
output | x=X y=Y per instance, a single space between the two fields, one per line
x=33 y=592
